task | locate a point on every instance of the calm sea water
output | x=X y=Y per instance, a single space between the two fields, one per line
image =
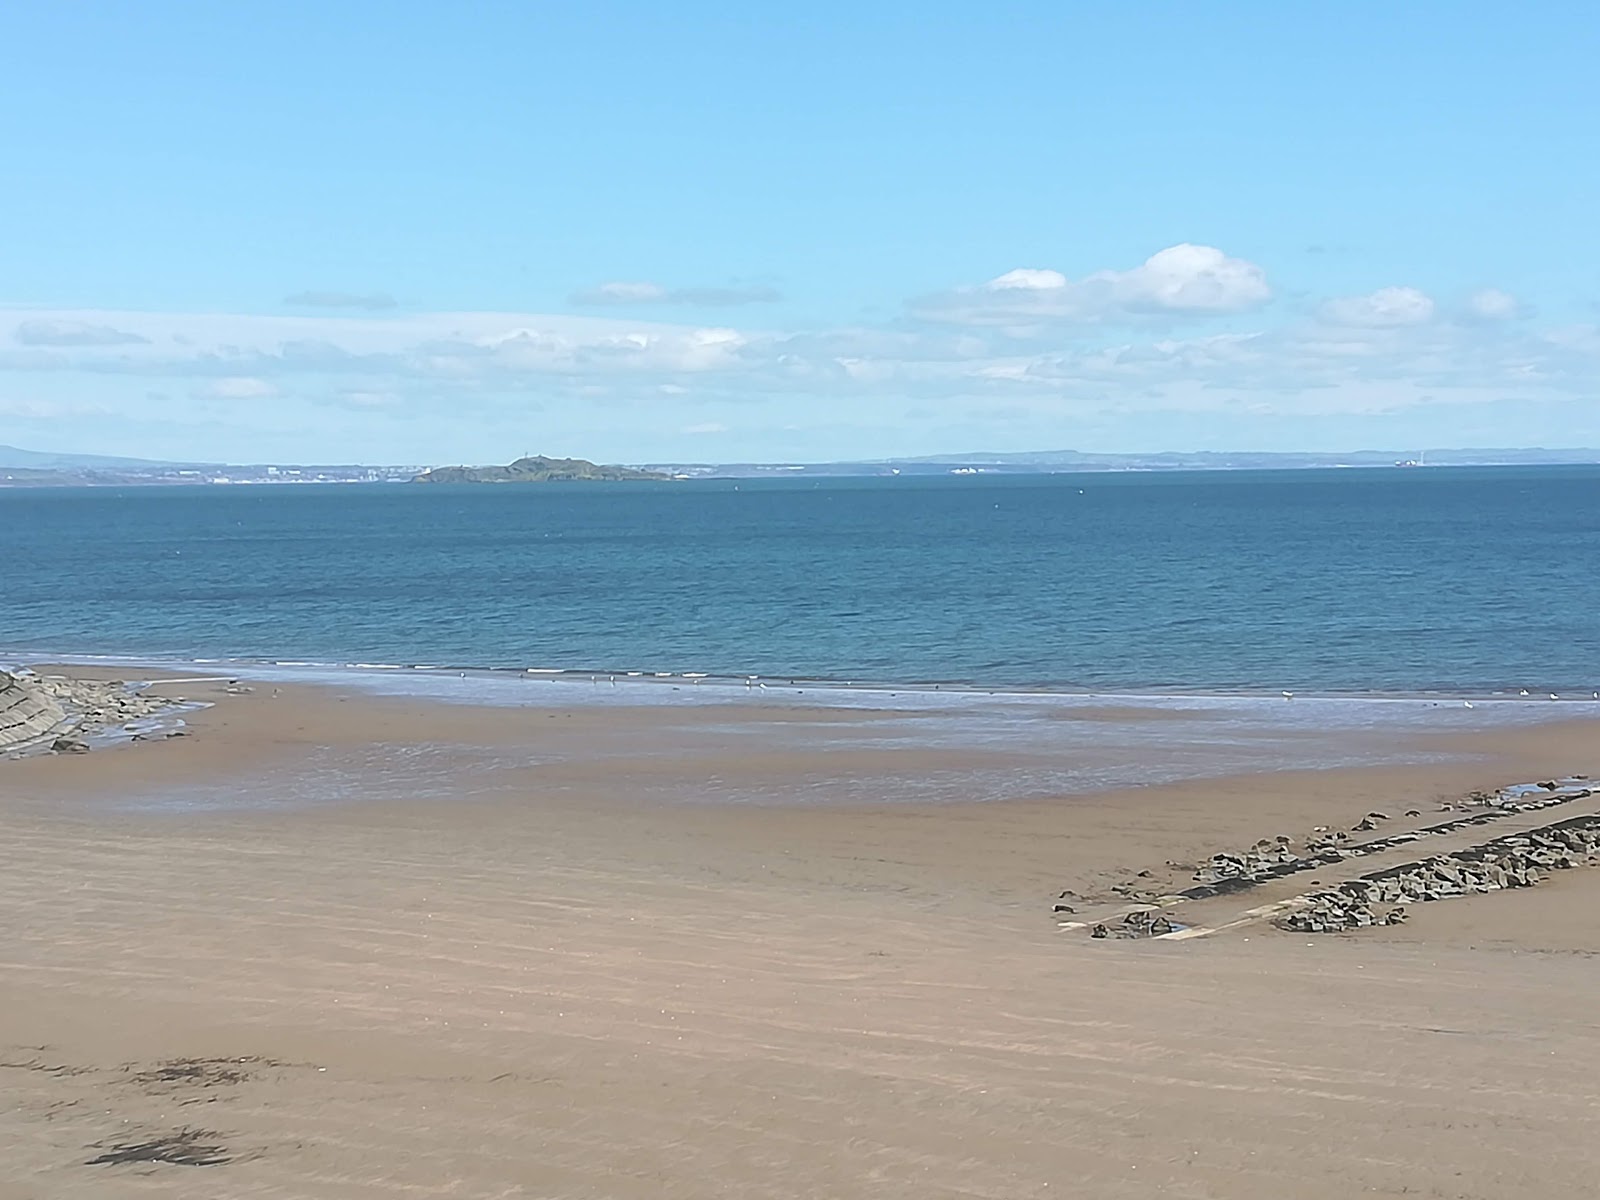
x=1330 y=581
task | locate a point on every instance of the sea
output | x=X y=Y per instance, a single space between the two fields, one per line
x=1332 y=582
x=1064 y=633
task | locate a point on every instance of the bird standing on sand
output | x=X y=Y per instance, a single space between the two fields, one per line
x=1288 y=695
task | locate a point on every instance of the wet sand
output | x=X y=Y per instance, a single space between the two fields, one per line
x=522 y=978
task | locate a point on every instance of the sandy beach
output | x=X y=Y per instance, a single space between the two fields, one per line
x=509 y=967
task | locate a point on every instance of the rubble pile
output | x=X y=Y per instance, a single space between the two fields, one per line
x=98 y=704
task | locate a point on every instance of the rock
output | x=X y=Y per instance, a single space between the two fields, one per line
x=1064 y=908
x=1099 y=931
x=1160 y=926
x=70 y=745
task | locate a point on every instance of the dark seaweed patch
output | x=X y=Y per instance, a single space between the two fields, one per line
x=186 y=1147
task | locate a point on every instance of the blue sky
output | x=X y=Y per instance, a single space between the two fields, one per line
x=417 y=232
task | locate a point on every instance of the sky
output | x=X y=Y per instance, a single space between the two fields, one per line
x=422 y=233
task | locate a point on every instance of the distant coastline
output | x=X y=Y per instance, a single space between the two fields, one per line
x=25 y=468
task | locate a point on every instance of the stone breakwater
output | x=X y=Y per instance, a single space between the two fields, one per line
x=1516 y=861
x=55 y=713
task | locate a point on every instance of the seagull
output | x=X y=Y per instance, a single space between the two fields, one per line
x=1288 y=695
x=1467 y=703
x=1553 y=696
x=1524 y=691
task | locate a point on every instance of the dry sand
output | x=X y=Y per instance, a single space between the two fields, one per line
x=528 y=982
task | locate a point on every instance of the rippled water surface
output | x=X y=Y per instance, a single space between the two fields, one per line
x=1330 y=581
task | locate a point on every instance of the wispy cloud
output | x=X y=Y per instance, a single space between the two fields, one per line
x=1385 y=308
x=1492 y=304
x=368 y=399
x=370 y=301
x=237 y=387
x=72 y=333
x=1032 y=348
x=623 y=292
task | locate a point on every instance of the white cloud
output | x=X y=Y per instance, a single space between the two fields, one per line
x=1180 y=281
x=1192 y=279
x=1385 y=308
x=1028 y=279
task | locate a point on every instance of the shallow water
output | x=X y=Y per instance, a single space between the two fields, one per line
x=883 y=746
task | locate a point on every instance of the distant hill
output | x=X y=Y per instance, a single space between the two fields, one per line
x=41 y=460
x=537 y=469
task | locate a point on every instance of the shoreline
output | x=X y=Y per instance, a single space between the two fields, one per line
x=791 y=684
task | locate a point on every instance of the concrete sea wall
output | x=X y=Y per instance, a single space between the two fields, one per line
x=27 y=714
